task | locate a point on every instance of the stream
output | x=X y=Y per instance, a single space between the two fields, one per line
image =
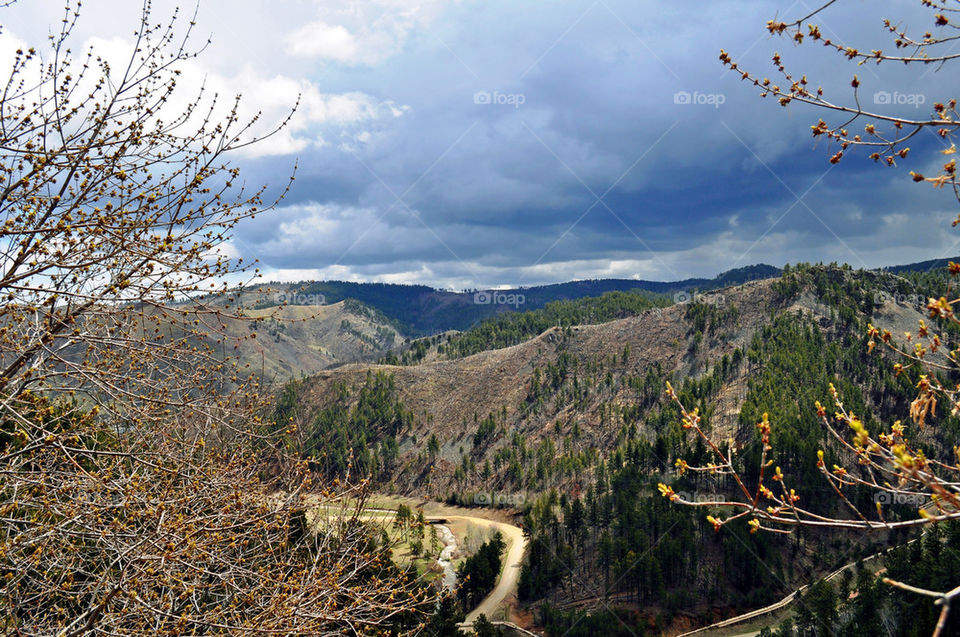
x=446 y=556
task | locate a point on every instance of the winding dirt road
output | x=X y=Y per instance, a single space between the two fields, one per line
x=509 y=574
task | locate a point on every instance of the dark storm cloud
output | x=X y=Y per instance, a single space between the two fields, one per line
x=494 y=142
x=553 y=135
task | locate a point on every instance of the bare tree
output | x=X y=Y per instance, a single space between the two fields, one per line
x=135 y=498
x=115 y=207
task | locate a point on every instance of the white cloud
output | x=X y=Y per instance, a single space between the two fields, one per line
x=9 y=44
x=336 y=230
x=354 y=33
x=321 y=40
x=268 y=97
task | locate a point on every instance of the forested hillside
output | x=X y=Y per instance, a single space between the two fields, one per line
x=859 y=604
x=581 y=388
x=572 y=427
x=511 y=328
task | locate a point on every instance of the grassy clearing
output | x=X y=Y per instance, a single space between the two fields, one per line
x=402 y=539
x=381 y=509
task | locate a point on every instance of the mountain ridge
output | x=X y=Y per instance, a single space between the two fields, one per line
x=450 y=398
x=322 y=325
x=429 y=310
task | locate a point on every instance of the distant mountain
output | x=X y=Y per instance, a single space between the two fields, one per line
x=423 y=310
x=303 y=339
x=574 y=374
x=922 y=266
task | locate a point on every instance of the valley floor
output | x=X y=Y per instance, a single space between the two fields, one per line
x=500 y=603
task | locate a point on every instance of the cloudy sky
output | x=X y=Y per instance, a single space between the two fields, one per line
x=481 y=143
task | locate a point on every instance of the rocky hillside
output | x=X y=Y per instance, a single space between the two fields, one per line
x=306 y=327
x=282 y=342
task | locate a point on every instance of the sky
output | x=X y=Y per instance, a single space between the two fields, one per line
x=471 y=144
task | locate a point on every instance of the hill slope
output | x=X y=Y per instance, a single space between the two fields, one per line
x=293 y=340
x=576 y=388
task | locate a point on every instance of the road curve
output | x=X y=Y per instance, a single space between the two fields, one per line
x=510 y=571
x=509 y=574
